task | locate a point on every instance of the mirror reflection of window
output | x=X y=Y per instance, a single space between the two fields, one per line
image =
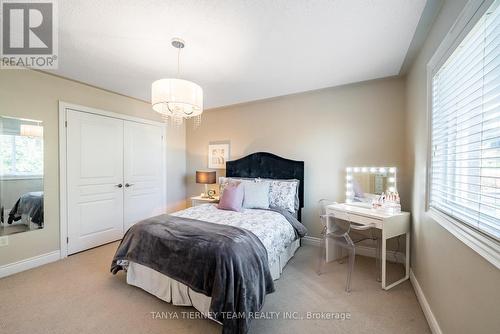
x=366 y=184
x=21 y=175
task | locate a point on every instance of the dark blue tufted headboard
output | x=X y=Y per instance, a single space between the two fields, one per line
x=269 y=166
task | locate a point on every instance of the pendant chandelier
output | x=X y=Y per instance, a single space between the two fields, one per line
x=30 y=130
x=177 y=99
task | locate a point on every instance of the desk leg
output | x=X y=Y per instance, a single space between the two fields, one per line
x=407 y=255
x=383 y=257
x=407 y=263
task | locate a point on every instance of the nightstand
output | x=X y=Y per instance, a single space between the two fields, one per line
x=198 y=200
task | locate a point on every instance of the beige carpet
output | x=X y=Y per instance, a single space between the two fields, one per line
x=79 y=295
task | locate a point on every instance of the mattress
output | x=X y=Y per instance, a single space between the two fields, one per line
x=272 y=229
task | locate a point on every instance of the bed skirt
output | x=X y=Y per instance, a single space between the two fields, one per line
x=172 y=291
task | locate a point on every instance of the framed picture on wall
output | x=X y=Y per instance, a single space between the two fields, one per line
x=218 y=154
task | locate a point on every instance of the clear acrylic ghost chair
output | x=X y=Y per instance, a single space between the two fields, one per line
x=337 y=230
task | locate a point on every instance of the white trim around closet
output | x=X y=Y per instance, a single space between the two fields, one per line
x=63 y=203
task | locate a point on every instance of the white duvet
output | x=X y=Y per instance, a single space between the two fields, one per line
x=273 y=230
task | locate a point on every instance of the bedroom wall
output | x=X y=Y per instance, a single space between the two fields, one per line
x=460 y=286
x=35 y=95
x=358 y=124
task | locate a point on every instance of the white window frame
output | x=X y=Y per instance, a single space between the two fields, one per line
x=19 y=176
x=484 y=245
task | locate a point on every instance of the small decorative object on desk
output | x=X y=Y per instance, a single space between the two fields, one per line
x=388 y=202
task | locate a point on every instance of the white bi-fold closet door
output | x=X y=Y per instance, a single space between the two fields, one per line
x=115 y=177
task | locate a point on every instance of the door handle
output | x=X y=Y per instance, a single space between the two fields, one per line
x=128 y=185
x=119 y=185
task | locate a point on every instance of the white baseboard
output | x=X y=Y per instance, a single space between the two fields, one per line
x=312 y=241
x=33 y=262
x=431 y=319
x=392 y=256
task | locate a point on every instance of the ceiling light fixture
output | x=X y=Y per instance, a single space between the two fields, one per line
x=30 y=130
x=177 y=99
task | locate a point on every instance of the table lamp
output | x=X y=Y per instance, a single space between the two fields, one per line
x=206 y=178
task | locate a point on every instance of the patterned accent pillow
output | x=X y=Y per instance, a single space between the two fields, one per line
x=284 y=194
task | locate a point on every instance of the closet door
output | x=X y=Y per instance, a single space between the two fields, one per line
x=95 y=180
x=144 y=186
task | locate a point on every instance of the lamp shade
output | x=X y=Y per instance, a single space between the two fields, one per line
x=177 y=98
x=30 y=130
x=205 y=177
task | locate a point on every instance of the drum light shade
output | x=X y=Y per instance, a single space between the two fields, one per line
x=205 y=177
x=29 y=130
x=177 y=98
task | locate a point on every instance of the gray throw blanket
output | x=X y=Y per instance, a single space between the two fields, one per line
x=30 y=204
x=300 y=230
x=226 y=263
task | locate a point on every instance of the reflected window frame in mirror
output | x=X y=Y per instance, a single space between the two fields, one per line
x=351 y=171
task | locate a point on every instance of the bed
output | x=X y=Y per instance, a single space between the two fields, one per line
x=273 y=228
x=28 y=207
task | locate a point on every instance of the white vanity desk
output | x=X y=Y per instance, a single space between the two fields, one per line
x=392 y=225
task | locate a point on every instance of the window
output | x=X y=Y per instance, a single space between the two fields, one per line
x=21 y=156
x=465 y=129
x=465 y=122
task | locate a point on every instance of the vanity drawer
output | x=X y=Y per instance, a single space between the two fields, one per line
x=356 y=218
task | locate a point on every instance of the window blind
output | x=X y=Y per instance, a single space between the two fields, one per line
x=465 y=129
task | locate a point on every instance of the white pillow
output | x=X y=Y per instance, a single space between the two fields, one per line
x=256 y=195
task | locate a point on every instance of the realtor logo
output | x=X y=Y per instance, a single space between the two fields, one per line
x=29 y=34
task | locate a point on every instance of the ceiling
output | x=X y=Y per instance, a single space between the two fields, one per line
x=237 y=50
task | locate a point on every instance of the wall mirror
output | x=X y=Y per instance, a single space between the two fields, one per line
x=364 y=184
x=21 y=175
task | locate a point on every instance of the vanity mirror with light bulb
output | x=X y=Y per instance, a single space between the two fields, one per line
x=372 y=199
x=372 y=187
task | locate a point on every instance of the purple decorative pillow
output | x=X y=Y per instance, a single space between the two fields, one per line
x=232 y=197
